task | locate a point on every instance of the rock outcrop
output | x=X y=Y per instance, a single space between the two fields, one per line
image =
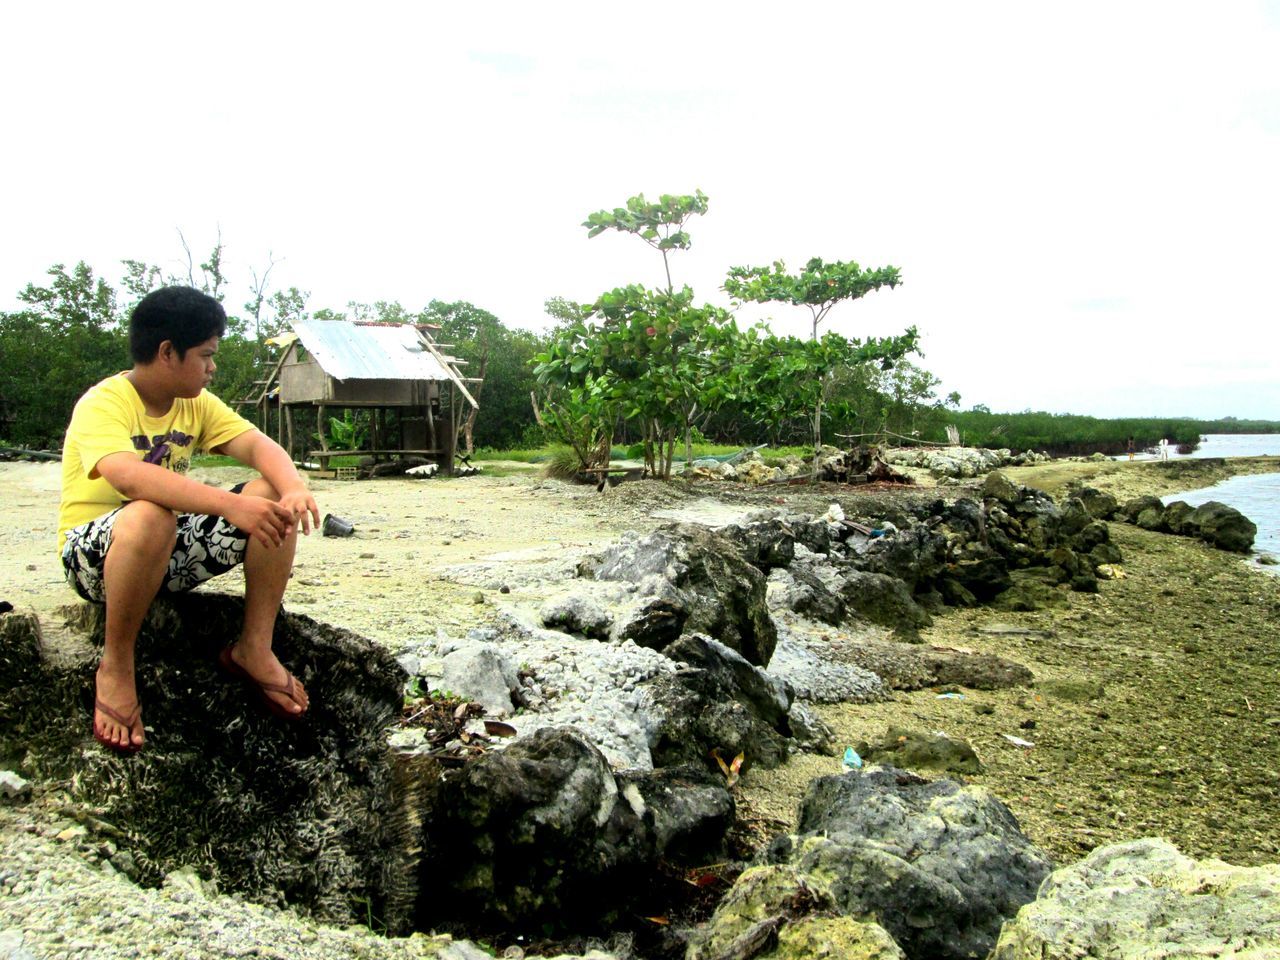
x=545 y=833
x=1215 y=523
x=301 y=812
x=706 y=580
x=938 y=865
x=1145 y=899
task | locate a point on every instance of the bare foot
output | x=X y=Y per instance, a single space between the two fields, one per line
x=117 y=716
x=264 y=669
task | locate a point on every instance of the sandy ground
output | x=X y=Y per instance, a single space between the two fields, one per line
x=1154 y=709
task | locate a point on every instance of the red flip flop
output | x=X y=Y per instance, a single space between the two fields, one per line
x=262 y=687
x=128 y=747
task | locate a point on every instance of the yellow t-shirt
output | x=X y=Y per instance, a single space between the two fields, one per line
x=111 y=418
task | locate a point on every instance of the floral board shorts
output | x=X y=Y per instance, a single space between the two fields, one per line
x=206 y=547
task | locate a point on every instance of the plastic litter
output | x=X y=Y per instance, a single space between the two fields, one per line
x=951 y=696
x=335 y=526
x=851 y=759
x=1018 y=741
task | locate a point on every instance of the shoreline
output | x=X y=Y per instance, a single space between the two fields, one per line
x=1152 y=711
x=1153 y=705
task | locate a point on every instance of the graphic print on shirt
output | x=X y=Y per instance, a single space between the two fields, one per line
x=159 y=449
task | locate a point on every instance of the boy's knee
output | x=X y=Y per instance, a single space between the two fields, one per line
x=260 y=488
x=146 y=523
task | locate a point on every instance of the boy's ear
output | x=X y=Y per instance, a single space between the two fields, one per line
x=166 y=351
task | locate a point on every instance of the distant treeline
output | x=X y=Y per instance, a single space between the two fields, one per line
x=1064 y=434
x=71 y=333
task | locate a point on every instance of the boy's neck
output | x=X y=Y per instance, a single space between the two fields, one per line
x=156 y=399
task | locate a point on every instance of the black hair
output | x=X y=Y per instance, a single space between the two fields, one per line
x=182 y=315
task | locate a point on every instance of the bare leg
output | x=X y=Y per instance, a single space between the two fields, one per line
x=266 y=574
x=142 y=541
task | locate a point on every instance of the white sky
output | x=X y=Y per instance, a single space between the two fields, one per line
x=1084 y=198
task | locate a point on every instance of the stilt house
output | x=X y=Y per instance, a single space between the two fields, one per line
x=414 y=389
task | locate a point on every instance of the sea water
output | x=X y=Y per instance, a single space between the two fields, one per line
x=1220 y=445
x=1257 y=496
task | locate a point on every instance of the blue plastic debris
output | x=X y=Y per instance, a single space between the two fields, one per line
x=951 y=696
x=851 y=759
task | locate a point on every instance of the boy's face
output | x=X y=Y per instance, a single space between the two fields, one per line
x=195 y=370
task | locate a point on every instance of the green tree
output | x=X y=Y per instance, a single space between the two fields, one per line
x=69 y=337
x=660 y=225
x=779 y=379
x=819 y=286
x=499 y=359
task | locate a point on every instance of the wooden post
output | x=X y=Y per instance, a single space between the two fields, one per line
x=324 y=443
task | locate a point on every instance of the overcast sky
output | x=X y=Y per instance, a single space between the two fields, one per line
x=1084 y=199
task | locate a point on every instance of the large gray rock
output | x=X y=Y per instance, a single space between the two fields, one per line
x=777 y=904
x=766 y=544
x=301 y=811
x=1177 y=518
x=885 y=600
x=1101 y=506
x=940 y=866
x=543 y=832
x=1145 y=899
x=718 y=702
x=575 y=613
x=1223 y=526
x=800 y=590
x=480 y=671
x=1132 y=509
x=722 y=593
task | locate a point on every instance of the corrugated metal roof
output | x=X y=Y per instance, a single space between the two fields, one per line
x=355 y=351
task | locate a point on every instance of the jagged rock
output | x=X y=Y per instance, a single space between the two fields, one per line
x=767 y=544
x=1101 y=506
x=999 y=487
x=1223 y=526
x=577 y=614
x=1105 y=554
x=1145 y=899
x=812 y=673
x=964 y=516
x=941 y=866
x=14 y=787
x=956 y=594
x=480 y=671
x=1029 y=592
x=543 y=832
x=655 y=622
x=303 y=811
x=800 y=590
x=720 y=702
x=722 y=593
x=1151 y=518
x=914 y=667
x=1133 y=508
x=732 y=675
x=813 y=533
x=915 y=556
x=984 y=578
x=1177 y=518
x=913 y=750
x=884 y=600
x=810 y=731
x=1073 y=517
x=1093 y=533
x=777 y=904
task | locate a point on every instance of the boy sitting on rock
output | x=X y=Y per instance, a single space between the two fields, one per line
x=132 y=523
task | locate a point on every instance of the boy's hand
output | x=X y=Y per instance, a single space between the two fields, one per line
x=265 y=520
x=302 y=506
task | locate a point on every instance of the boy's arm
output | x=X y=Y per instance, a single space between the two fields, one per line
x=255 y=449
x=265 y=520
